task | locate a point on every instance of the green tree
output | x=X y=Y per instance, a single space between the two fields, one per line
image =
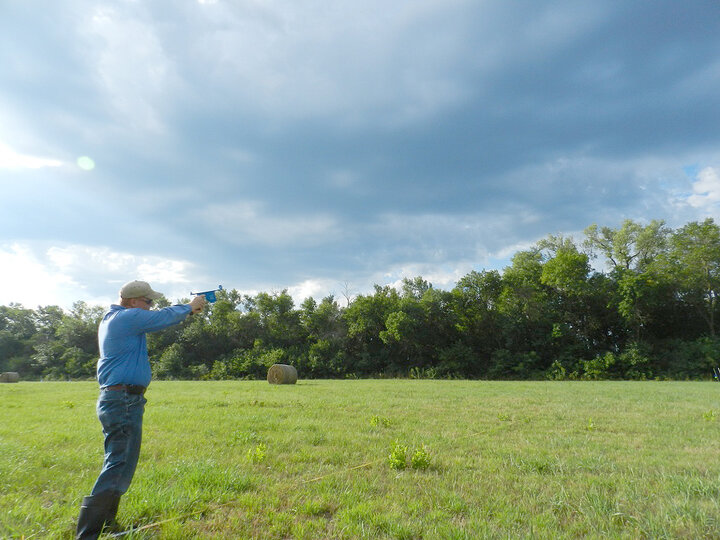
x=325 y=332
x=632 y=246
x=415 y=287
x=695 y=262
x=479 y=321
x=278 y=319
x=528 y=318
x=47 y=346
x=572 y=302
x=399 y=334
x=565 y=269
x=441 y=346
x=17 y=329
x=365 y=318
x=77 y=334
x=633 y=252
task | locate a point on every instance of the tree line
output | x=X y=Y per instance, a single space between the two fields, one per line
x=650 y=311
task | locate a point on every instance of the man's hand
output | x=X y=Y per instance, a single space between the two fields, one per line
x=198 y=303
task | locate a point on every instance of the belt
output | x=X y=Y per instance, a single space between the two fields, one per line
x=129 y=388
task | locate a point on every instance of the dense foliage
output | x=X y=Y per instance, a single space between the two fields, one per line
x=652 y=312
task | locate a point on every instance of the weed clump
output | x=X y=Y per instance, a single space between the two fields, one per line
x=420 y=459
x=398 y=456
x=257 y=454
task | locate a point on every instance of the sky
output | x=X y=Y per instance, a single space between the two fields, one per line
x=324 y=147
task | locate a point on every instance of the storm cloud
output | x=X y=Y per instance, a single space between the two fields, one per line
x=271 y=145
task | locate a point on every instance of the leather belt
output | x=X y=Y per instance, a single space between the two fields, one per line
x=129 y=388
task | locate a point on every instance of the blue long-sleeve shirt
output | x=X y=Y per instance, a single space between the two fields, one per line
x=123 y=347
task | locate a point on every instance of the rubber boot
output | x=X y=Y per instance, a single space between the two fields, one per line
x=94 y=513
x=111 y=524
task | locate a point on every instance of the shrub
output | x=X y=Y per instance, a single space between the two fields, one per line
x=398 y=456
x=632 y=363
x=420 y=459
x=689 y=359
x=257 y=454
x=377 y=421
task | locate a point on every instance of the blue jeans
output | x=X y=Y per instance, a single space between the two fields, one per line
x=121 y=416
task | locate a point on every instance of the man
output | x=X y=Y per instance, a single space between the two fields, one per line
x=123 y=372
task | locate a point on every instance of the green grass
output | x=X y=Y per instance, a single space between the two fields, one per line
x=313 y=460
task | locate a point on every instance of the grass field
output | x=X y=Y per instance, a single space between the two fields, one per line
x=501 y=460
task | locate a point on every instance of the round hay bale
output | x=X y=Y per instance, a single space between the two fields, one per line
x=10 y=376
x=282 y=374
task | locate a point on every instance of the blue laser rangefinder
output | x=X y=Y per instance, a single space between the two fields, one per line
x=209 y=295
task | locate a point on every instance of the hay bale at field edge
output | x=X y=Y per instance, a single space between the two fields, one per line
x=10 y=376
x=282 y=374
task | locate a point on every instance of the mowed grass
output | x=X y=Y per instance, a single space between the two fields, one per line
x=242 y=459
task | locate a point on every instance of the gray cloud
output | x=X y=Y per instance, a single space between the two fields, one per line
x=290 y=144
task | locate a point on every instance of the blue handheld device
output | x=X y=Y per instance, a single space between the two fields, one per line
x=209 y=295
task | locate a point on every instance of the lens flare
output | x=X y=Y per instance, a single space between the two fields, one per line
x=85 y=163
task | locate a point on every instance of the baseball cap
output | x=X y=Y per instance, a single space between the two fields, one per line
x=137 y=289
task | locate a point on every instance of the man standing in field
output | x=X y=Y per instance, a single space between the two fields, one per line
x=123 y=372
